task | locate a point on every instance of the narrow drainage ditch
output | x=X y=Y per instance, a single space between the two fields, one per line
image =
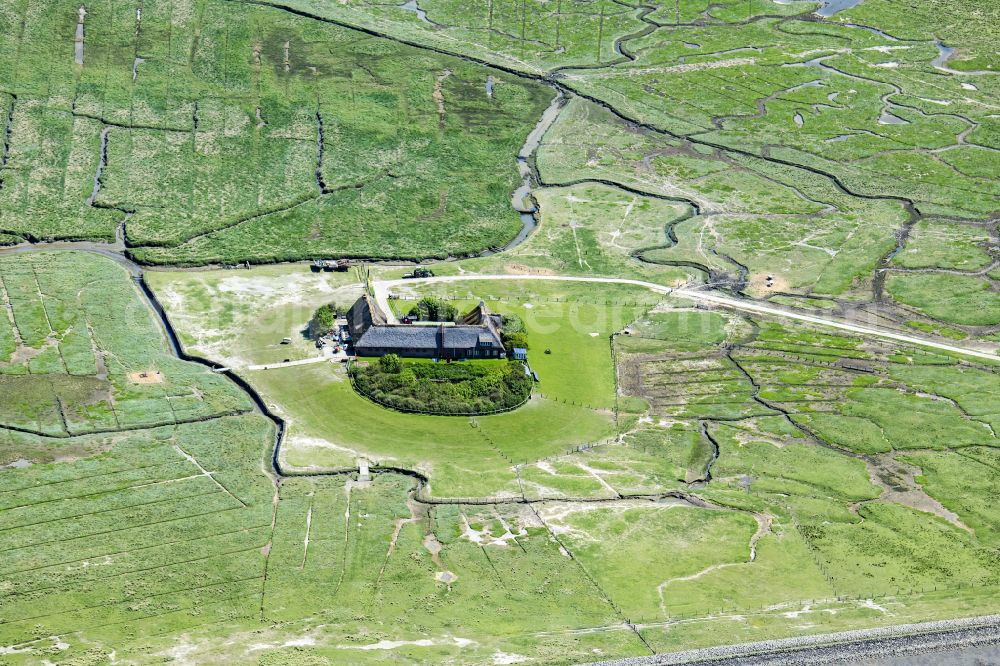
x=78 y=40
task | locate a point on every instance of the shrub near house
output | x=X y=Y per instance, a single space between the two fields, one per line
x=443 y=388
x=324 y=320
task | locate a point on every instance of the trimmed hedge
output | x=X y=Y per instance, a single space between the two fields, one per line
x=443 y=388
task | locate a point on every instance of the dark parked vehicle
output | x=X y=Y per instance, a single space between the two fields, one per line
x=327 y=265
x=419 y=273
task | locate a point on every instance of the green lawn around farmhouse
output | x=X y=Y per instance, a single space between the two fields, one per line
x=242 y=316
x=572 y=406
x=331 y=426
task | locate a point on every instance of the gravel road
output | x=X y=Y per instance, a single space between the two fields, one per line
x=967 y=641
x=382 y=290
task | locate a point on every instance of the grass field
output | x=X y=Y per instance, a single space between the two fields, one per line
x=593 y=230
x=780 y=472
x=271 y=138
x=951 y=298
x=855 y=494
x=74 y=358
x=682 y=476
x=725 y=73
x=752 y=214
x=331 y=425
x=156 y=525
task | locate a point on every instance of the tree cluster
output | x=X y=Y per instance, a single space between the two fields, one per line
x=430 y=308
x=514 y=334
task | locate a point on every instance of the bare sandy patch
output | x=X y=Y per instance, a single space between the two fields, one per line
x=898 y=483
x=669 y=69
x=759 y=283
x=146 y=377
x=710 y=363
x=546 y=467
x=445 y=577
x=555 y=516
x=292 y=289
x=438 y=96
x=484 y=536
x=522 y=269
x=423 y=642
x=318 y=443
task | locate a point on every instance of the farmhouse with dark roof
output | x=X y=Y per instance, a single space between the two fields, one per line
x=477 y=334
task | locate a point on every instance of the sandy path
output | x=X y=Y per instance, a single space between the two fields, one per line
x=290 y=364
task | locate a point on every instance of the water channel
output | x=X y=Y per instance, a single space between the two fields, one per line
x=521 y=200
x=831 y=7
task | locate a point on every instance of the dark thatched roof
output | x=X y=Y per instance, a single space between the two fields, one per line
x=438 y=338
x=408 y=337
x=370 y=331
x=364 y=314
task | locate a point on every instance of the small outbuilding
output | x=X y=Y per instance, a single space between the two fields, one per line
x=520 y=354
